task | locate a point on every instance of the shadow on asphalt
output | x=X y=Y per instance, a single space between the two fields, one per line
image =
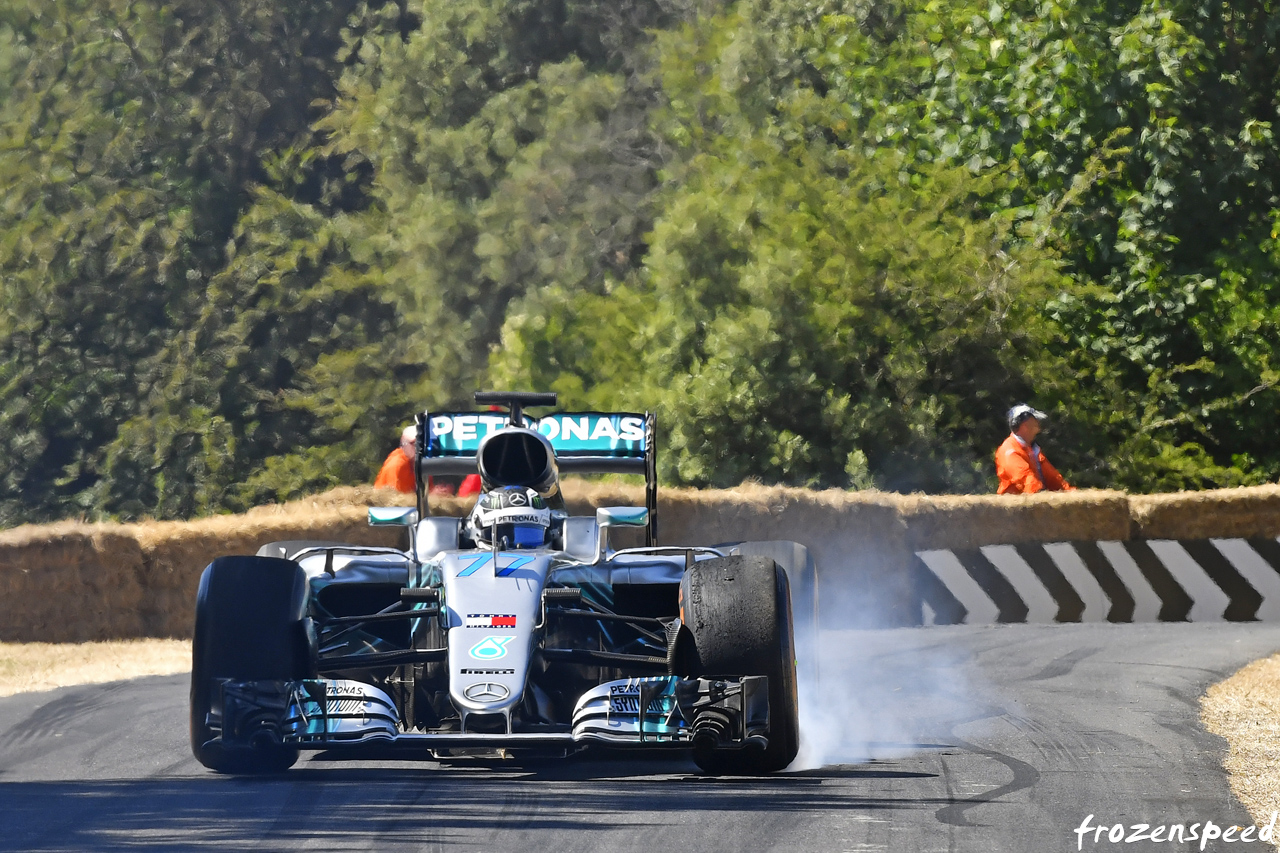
x=416 y=806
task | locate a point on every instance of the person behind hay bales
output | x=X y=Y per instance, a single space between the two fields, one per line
x=1020 y=464
x=397 y=470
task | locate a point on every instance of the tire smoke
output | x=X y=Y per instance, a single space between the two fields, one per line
x=877 y=694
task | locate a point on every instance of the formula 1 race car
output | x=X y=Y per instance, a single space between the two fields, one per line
x=515 y=630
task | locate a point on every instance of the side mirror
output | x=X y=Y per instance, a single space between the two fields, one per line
x=392 y=516
x=617 y=516
x=622 y=516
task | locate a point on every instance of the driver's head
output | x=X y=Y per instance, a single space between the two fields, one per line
x=510 y=517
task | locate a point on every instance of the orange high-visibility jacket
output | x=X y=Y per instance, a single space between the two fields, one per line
x=396 y=473
x=1017 y=473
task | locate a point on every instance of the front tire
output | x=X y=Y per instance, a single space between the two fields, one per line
x=248 y=628
x=737 y=611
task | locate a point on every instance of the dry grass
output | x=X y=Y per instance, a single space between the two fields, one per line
x=28 y=667
x=1245 y=711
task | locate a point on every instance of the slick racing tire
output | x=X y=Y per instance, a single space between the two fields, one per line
x=737 y=612
x=248 y=628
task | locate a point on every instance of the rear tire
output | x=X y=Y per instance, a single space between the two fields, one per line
x=248 y=628
x=737 y=612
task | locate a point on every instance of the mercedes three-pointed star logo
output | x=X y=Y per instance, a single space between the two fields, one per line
x=486 y=691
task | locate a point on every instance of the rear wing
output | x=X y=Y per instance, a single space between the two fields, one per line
x=584 y=443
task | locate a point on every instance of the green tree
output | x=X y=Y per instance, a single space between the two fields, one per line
x=510 y=152
x=290 y=365
x=807 y=313
x=131 y=136
x=830 y=240
x=1139 y=138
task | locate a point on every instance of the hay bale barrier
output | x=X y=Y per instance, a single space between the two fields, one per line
x=175 y=553
x=1244 y=513
x=972 y=521
x=71 y=583
x=74 y=582
x=856 y=539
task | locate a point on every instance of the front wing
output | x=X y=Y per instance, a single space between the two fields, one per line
x=663 y=711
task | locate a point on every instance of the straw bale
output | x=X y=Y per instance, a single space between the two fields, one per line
x=338 y=498
x=971 y=521
x=1219 y=513
x=856 y=539
x=69 y=582
x=175 y=553
x=581 y=497
x=75 y=582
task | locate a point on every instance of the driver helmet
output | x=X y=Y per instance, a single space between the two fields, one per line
x=510 y=517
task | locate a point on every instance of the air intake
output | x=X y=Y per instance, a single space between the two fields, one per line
x=518 y=457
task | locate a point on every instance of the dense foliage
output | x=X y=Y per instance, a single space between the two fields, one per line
x=830 y=241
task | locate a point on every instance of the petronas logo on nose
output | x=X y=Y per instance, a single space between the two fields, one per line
x=491 y=648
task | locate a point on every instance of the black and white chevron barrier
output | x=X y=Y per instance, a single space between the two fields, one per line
x=1140 y=580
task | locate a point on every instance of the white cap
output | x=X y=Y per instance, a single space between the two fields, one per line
x=1021 y=412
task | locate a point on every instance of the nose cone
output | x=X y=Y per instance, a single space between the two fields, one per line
x=493 y=602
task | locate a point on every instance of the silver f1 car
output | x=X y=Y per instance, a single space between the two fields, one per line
x=514 y=630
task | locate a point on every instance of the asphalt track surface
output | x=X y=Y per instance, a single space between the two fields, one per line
x=955 y=738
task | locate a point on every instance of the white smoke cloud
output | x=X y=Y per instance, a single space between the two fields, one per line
x=878 y=693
